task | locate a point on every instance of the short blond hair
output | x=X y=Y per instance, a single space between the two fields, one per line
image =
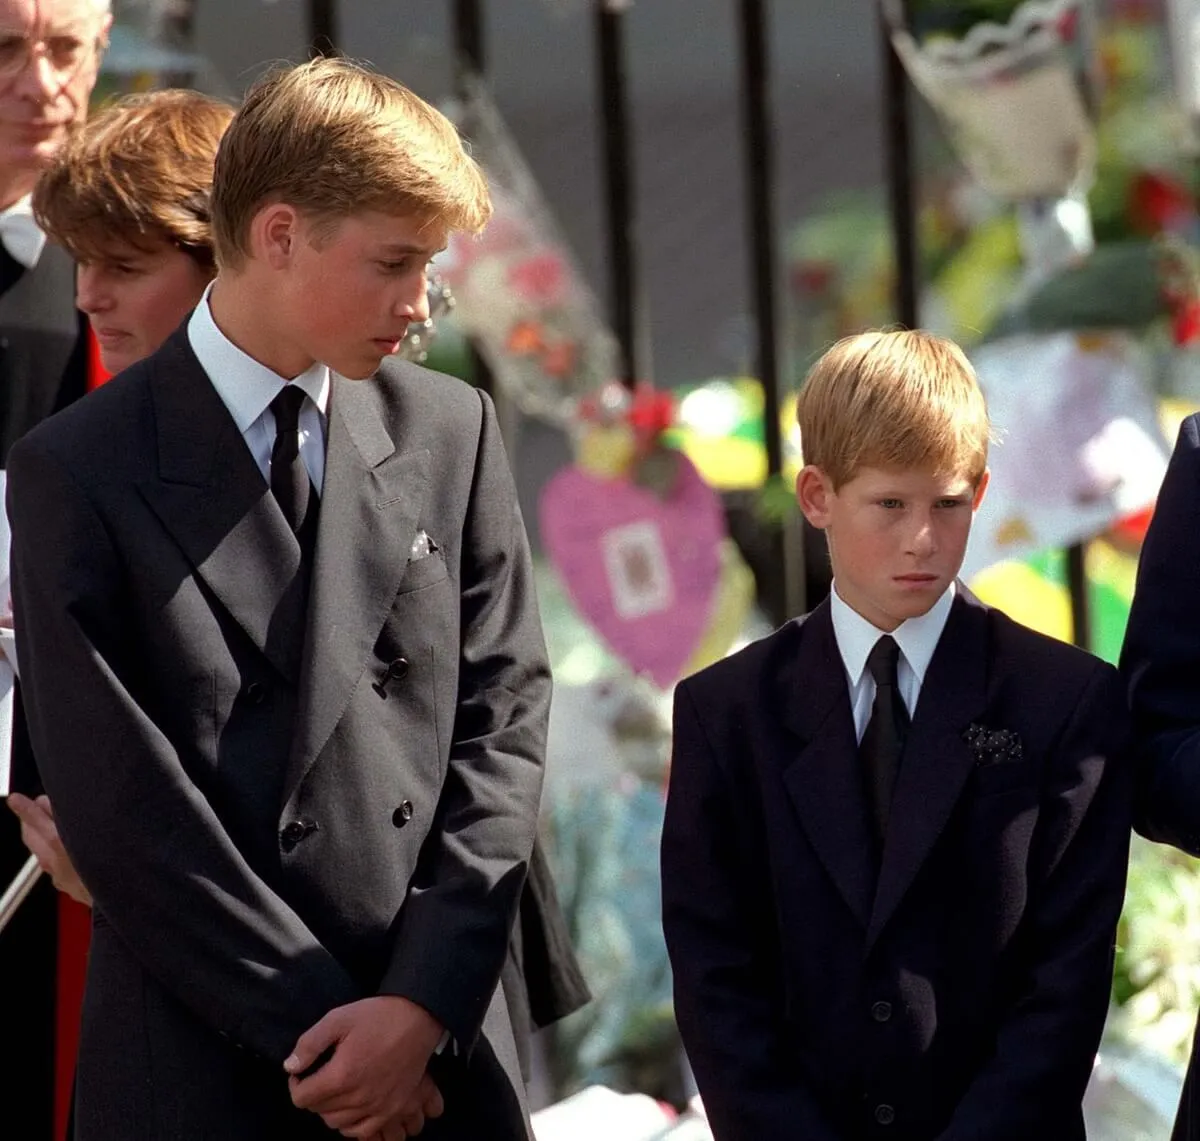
x=334 y=139
x=139 y=173
x=895 y=399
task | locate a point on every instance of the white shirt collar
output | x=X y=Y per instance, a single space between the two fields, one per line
x=20 y=233
x=916 y=637
x=246 y=387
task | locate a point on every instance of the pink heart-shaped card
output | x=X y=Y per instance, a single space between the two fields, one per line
x=642 y=570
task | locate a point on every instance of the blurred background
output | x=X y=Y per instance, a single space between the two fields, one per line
x=694 y=198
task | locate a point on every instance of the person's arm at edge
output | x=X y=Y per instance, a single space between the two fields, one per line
x=1160 y=658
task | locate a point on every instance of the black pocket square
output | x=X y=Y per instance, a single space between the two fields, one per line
x=993 y=746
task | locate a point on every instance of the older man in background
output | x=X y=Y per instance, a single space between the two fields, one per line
x=49 y=59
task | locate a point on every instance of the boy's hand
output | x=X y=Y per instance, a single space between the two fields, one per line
x=40 y=835
x=381 y=1046
x=426 y=1104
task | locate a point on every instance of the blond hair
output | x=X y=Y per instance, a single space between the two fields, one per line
x=334 y=139
x=901 y=400
x=138 y=173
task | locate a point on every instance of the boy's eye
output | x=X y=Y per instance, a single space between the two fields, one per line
x=404 y=265
x=952 y=502
x=890 y=504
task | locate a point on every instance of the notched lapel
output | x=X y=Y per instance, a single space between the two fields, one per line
x=371 y=504
x=937 y=760
x=214 y=501
x=823 y=779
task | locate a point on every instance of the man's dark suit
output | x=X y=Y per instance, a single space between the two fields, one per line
x=43 y=367
x=275 y=823
x=1161 y=662
x=963 y=998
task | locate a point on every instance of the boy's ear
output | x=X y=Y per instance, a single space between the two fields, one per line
x=980 y=488
x=274 y=231
x=814 y=492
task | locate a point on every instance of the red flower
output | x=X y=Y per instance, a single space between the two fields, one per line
x=1186 y=322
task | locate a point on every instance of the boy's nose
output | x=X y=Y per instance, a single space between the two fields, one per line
x=922 y=541
x=416 y=304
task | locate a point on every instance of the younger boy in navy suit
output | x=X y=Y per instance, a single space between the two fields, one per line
x=897 y=828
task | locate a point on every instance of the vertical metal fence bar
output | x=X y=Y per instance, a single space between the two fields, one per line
x=619 y=184
x=760 y=172
x=322 y=27
x=471 y=62
x=898 y=145
x=1081 y=610
x=759 y=158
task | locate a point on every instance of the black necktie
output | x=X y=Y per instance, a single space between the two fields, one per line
x=289 y=477
x=883 y=741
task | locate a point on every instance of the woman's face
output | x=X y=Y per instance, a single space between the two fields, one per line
x=136 y=299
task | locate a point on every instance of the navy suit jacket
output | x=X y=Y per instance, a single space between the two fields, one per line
x=962 y=993
x=1161 y=663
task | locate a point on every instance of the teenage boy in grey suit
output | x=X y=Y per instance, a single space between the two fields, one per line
x=284 y=670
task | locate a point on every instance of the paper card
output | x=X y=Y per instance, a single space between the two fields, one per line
x=1080 y=446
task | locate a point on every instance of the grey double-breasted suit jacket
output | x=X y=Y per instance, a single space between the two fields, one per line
x=278 y=814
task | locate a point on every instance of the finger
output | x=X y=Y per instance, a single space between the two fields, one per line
x=341 y=1119
x=328 y=1090
x=365 y=1128
x=413 y=1122
x=43 y=802
x=314 y=1042
x=38 y=846
x=432 y=1104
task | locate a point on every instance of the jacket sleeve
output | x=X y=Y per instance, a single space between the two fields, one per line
x=717 y=918
x=162 y=871
x=1160 y=659
x=453 y=932
x=1033 y=1083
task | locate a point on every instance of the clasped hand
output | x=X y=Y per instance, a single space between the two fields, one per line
x=374 y=1085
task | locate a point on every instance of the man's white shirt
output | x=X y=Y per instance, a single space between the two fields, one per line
x=856 y=637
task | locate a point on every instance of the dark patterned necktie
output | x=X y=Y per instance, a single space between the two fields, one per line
x=883 y=741
x=289 y=477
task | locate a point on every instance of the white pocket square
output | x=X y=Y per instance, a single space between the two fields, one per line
x=422 y=547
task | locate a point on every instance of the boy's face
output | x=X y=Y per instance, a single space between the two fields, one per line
x=896 y=538
x=136 y=299
x=349 y=294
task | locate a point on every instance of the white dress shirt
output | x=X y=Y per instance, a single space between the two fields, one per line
x=247 y=388
x=20 y=234
x=856 y=637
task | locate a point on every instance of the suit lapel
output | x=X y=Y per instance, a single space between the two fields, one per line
x=371 y=502
x=937 y=760
x=822 y=778
x=214 y=501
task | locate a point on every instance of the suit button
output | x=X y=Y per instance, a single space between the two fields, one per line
x=881 y=1011
x=884 y=1115
x=403 y=814
x=256 y=693
x=397 y=669
x=295 y=831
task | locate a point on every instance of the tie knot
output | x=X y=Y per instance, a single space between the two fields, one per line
x=883 y=659
x=286 y=409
